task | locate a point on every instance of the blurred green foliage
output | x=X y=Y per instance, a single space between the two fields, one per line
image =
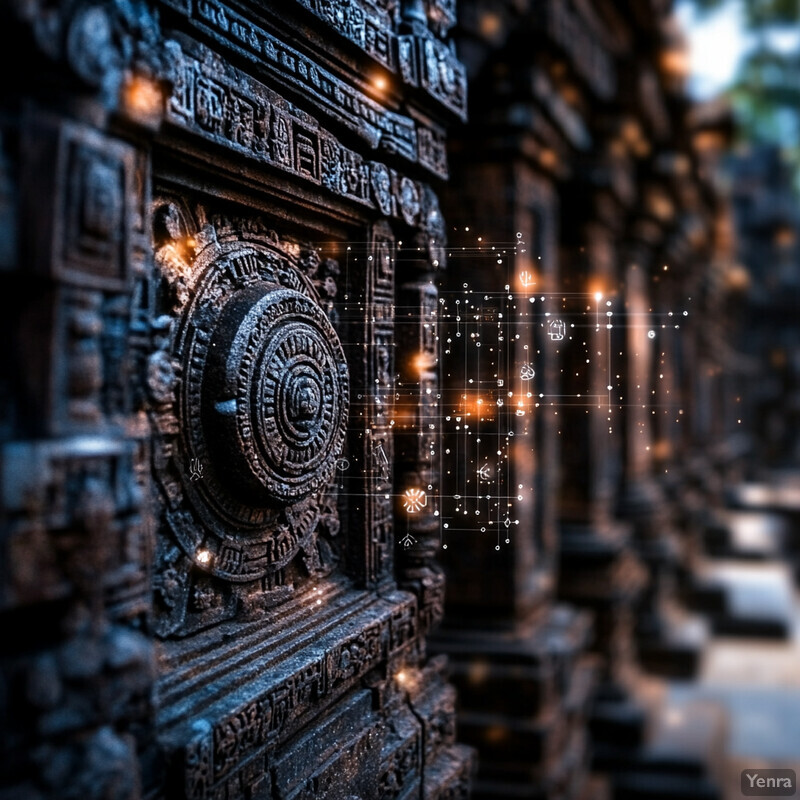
x=765 y=92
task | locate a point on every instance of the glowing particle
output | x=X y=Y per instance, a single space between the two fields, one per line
x=415 y=500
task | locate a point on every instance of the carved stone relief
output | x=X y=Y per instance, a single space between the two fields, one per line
x=176 y=524
x=248 y=392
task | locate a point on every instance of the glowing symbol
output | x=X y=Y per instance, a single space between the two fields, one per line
x=415 y=500
x=342 y=464
x=651 y=334
x=556 y=330
x=500 y=382
x=520 y=413
x=485 y=473
x=506 y=522
x=380 y=462
x=195 y=470
x=407 y=541
x=526 y=279
x=527 y=372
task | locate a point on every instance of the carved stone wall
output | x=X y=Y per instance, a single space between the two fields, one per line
x=203 y=204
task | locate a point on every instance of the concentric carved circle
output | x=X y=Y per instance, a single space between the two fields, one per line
x=277 y=383
x=253 y=420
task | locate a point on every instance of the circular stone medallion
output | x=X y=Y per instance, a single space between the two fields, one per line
x=261 y=407
x=276 y=387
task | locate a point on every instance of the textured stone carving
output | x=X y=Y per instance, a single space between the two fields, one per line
x=207 y=100
x=203 y=624
x=442 y=75
x=214 y=752
x=375 y=387
x=432 y=151
x=249 y=390
x=90 y=244
x=276 y=384
x=360 y=23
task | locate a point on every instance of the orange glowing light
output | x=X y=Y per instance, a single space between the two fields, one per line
x=548 y=158
x=422 y=362
x=143 y=98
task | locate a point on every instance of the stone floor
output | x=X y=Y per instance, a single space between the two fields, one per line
x=756 y=681
x=748 y=686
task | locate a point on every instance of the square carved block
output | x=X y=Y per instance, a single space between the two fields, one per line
x=79 y=203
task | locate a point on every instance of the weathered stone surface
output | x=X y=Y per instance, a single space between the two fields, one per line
x=198 y=543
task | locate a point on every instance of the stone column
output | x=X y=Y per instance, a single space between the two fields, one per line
x=517 y=656
x=599 y=569
x=642 y=502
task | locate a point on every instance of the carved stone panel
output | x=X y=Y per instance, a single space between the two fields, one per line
x=248 y=392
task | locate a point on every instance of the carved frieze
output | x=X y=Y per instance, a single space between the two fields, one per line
x=423 y=59
x=220 y=104
x=340 y=100
x=361 y=23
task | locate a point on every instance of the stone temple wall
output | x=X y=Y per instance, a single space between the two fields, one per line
x=272 y=276
x=202 y=208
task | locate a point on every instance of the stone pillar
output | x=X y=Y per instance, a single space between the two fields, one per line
x=518 y=658
x=599 y=569
x=642 y=502
x=80 y=667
